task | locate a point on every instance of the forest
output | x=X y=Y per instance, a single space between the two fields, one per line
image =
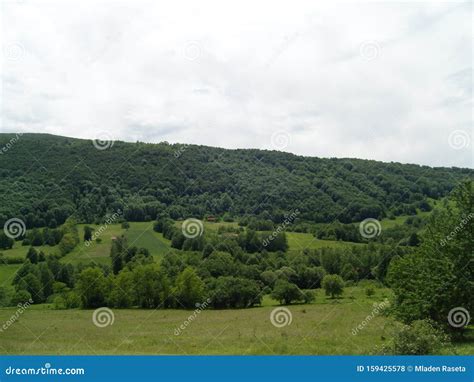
x=183 y=181
x=235 y=229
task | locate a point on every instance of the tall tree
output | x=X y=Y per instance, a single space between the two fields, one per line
x=440 y=275
x=189 y=288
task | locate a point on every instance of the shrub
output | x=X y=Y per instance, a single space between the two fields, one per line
x=333 y=285
x=418 y=338
x=59 y=303
x=4 y=296
x=308 y=296
x=21 y=297
x=369 y=291
x=286 y=292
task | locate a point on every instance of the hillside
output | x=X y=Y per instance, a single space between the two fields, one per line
x=45 y=178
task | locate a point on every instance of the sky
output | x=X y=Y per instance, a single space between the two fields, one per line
x=390 y=81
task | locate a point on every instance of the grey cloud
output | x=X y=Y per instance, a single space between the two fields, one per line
x=125 y=70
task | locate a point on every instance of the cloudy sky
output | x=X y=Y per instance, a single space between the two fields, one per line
x=385 y=81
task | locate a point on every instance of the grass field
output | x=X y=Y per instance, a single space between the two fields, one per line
x=400 y=220
x=142 y=235
x=7 y=272
x=139 y=235
x=95 y=252
x=299 y=241
x=19 y=250
x=324 y=327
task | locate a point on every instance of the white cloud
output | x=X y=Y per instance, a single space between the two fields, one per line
x=386 y=81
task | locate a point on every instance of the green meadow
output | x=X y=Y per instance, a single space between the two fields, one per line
x=324 y=327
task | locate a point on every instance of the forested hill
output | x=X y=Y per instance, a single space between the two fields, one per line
x=44 y=179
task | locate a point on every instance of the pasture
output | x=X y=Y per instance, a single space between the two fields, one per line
x=324 y=327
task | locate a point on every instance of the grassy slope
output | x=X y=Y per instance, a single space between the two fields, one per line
x=138 y=235
x=7 y=273
x=298 y=241
x=19 y=250
x=324 y=327
x=97 y=252
x=142 y=235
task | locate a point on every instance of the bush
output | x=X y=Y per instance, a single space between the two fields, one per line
x=333 y=285
x=67 y=244
x=59 y=303
x=308 y=296
x=369 y=291
x=5 y=241
x=4 y=296
x=21 y=297
x=286 y=292
x=234 y=292
x=418 y=338
x=73 y=300
x=11 y=260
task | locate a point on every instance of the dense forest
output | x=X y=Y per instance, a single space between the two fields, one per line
x=180 y=181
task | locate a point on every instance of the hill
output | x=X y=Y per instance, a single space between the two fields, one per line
x=45 y=178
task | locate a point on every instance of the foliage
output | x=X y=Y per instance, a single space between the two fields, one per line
x=92 y=287
x=5 y=241
x=286 y=292
x=421 y=337
x=333 y=285
x=234 y=292
x=189 y=289
x=440 y=275
x=239 y=183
